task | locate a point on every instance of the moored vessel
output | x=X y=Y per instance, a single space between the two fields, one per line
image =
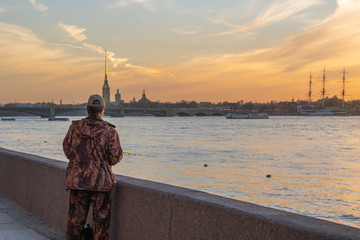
x=247 y=116
x=58 y=119
x=8 y=119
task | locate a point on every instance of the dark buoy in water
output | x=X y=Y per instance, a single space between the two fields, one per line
x=268 y=176
x=205 y=165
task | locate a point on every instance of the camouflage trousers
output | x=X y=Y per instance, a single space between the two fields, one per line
x=79 y=205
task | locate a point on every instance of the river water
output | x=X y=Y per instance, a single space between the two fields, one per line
x=313 y=161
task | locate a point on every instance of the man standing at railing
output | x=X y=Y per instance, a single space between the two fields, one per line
x=92 y=146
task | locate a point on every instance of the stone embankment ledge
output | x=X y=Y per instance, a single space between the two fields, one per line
x=149 y=210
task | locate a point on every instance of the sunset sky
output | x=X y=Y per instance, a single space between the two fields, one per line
x=231 y=50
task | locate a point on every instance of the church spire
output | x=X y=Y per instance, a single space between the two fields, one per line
x=106 y=87
x=105 y=66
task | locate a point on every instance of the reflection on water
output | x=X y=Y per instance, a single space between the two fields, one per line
x=313 y=161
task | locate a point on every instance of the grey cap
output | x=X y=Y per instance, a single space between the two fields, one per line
x=96 y=101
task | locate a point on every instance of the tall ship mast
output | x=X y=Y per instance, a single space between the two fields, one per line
x=310 y=90
x=323 y=90
x=343 y=91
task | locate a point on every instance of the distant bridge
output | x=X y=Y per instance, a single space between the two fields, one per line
x=16 y=111
x=46 y=112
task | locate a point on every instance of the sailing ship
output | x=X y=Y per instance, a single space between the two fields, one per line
x=324 y=111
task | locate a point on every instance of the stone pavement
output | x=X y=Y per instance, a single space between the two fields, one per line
x=18 y=224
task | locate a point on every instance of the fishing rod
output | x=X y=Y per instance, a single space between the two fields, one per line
x=132 y=153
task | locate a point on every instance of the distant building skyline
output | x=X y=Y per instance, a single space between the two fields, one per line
x=106 y=91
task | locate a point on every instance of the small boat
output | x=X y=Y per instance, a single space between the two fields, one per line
x=58 y=119
x=8 y=119
x=247 y=116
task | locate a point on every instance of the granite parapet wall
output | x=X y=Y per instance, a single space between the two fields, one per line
x=148 y=210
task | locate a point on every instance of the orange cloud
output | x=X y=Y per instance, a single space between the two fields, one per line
x=280 y=71
x=278 y=11
x=33 y=70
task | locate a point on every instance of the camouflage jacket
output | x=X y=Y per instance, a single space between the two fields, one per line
x=92 y=147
